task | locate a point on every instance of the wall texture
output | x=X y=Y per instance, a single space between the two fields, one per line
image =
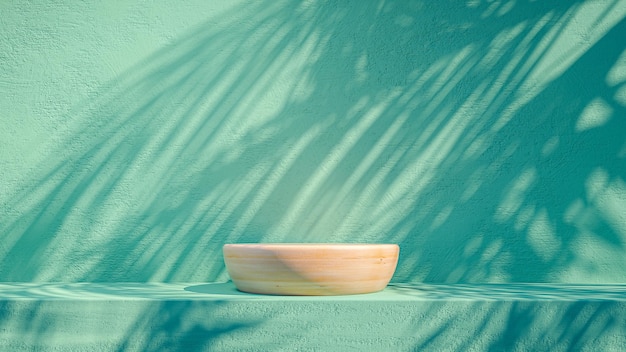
x=488 y=139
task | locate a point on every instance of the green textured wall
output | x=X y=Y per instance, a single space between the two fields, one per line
x=488 y=139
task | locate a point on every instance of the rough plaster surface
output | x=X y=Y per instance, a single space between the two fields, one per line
x=486 y=138
x=216 y=317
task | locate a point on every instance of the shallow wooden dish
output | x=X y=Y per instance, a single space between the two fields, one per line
x=311 y=269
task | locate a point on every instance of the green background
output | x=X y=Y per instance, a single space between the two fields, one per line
x=487 y=139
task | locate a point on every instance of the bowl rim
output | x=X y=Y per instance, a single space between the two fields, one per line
x=309 y=245
x=231 y=249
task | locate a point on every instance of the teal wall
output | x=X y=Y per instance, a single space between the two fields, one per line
x=488 y=139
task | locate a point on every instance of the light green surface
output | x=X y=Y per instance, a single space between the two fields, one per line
x=216 y=317
x=226 y=291
x=486 y=138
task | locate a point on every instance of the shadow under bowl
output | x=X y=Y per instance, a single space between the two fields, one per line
x=310 y=269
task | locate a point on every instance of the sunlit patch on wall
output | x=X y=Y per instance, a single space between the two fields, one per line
x=404 y=20
x=503 y=40
x=491 y=9
x=445 y=74
x=457 y=274
x=477 y=146
x=596 y=183
x=612 y=203
x=473 y=184
x=473 y=245
x=524 y=217
x=361 y=69
x=574 y=212
x=591 y=261
x=303 y=89
x=617 y=74
x=506 y=8
x=516 y=195
x=473 y=3
x=441 y=217
x=499 y=8
x=609 y=198
x=597 y=113
x=542 y=236
x=550 y=146
x=492 y=266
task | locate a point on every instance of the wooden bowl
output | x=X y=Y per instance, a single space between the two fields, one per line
x=311 y=269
